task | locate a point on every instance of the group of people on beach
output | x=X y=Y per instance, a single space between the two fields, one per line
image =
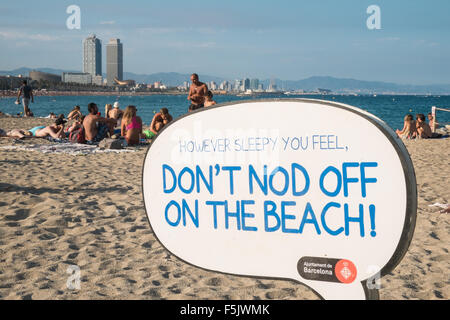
x=93 y=127
x=417 y=129
x=116 y=123
x=125 y=123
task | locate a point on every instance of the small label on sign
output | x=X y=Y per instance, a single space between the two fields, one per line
x=327 y=269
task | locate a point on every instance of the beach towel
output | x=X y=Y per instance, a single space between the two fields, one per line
x=65 y=148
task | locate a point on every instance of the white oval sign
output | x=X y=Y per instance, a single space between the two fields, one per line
x=318 y=192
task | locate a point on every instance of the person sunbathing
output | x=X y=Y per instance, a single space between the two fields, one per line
x=55 y=130
x=409 y=128
x=131 y=127
x=15 y=133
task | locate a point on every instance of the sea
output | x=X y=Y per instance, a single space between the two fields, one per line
x=389 y=108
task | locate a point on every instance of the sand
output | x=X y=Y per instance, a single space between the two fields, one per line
x=59 y=211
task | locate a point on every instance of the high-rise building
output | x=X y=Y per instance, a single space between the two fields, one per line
x=254 y=83
x=246 y=84
x=212 y=85
x=224 y=85
x=92 y=56
x=237 y=85
x=114 y=61
x=272 y=85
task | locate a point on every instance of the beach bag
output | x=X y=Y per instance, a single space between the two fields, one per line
x=77 y=136
x=110 y=144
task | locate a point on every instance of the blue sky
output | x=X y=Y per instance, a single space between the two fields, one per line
x=287 y=39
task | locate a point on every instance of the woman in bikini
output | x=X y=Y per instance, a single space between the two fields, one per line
x=131 y=127
x=409 y=128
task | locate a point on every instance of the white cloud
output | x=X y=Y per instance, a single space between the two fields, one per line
x=16 y=35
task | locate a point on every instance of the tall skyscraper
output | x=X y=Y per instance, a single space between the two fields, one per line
x=246 y=84
x=114 y=61
x=254 y=84
x=272 y=85
x=237 y=85
x=92 y=56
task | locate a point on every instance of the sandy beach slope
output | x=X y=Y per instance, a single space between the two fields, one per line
x=60 y=210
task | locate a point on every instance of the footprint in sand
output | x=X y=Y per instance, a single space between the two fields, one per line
x=163 y=268
x=47 y=236
x=174 y=289
x=134 y=228
x=31 y=264
x=215 y=282
x=72 y=256
x=20 y=214
x=74 y=247
x=58 y=231
x=434 y=235
x=156 y=283
x=262 y=285
x=154 y=293
x=12 y=224
x=20 y=276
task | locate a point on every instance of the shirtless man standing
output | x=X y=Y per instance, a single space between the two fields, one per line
x=197 y=93
x=96 y=127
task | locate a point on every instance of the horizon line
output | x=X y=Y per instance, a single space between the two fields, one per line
x=236 y=78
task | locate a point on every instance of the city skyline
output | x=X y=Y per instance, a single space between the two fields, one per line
x=293 y=40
